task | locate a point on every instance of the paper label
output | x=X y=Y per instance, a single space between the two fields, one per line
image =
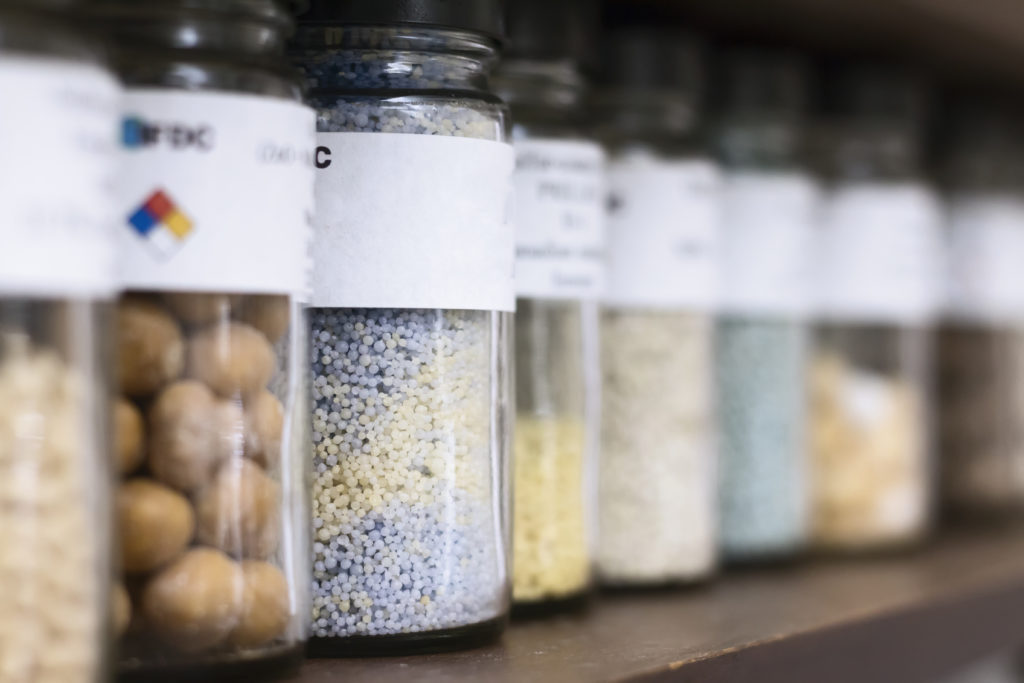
x=768 y=231
x=216 y=192
x=413 y=221
x=880 y=253
x=663 y=233
x=58 y=133
x=559 y=219
x=985 y=250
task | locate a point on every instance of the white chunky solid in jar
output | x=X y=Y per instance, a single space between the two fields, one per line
x=55 y=278
x=658 y=453
x=879 y=261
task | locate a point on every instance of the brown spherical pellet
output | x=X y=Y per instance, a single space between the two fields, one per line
x=155 y=524
x=120 y=609
x=128 y=436
x=264 y=423
x=191 y=433
x=265 y=605
x=195 y=602
x=196 y=309
x=271 y=315
x=238 y=512
x=150 y=348
x=232 y=359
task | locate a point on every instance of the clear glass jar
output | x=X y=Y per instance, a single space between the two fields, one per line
x=212 y=505
x=410 y=407
x=980 y=354
x=559 y=272
x=769 y=212
x=656 y=490
x=879 y=292
x=56 y=282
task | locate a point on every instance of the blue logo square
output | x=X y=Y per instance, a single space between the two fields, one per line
x=142 y=220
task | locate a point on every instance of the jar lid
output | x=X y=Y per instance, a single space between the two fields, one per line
x=651 y=59
x=476 y=16
x=881 y=93
x=762 y=80
x=551 y=30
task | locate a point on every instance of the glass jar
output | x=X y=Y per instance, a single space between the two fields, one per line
x=769 y=206
x=413 y=291
x=559 y=271
x=879 y=256
x=656 y=491
x=214 y=194
x=58 y=126
x=981 y=343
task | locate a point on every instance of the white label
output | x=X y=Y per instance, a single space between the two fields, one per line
x=663 y=231
x=58 y=133
x=413 y=221
x=559 y=211
x=216 y=191
x=768 y=231
x=985 y=257
x=880 y=253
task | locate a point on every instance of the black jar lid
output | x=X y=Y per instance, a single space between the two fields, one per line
x=651 y=59
x=876 y=91
x=475 y=16
x=758 y=79
x=550 y=30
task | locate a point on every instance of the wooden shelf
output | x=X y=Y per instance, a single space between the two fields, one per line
x=959 y=41
x=902 y=619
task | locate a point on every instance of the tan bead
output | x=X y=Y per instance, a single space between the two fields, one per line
x=191 y=433
x=150 y=348
x=155 y=524
x=265 y=605
x=194 y=604
x=196 y=309
x=239 y=511
x=129 y=435
x=271 y=315
x=264 y=423
x=120 y=609
x=231 y=359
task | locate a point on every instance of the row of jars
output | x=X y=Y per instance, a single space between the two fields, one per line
x=337 y=444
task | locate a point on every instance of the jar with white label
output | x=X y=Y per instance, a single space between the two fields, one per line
x=656 y=500
x=981 y=342
x=412 y=291
x=769 y=209
x=211 y=426
x=58 y=128
x=878 y=255
x=559 y=215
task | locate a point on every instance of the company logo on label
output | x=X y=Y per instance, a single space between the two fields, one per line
x=161 y=224
x=136 y=133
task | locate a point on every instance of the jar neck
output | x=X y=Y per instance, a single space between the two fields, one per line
x=541 y=91
x=624 y=114
x=759 y=142
x=360 y=58
x=235 y=30
x=875 y=153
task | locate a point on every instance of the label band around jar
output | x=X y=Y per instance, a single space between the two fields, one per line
x=768 y=232
x=985 y=250
x=880 y=254
x=663 y=233
x=216 y=192
x=413 y=221
x=559 y=219
x=58 y=126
